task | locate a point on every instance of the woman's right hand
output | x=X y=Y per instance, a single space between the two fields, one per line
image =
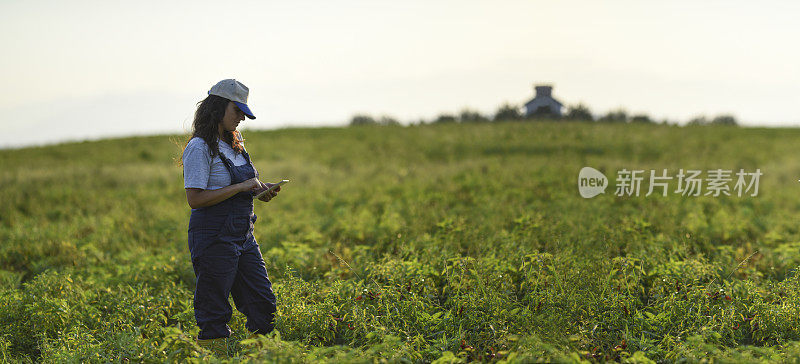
x=250 y=184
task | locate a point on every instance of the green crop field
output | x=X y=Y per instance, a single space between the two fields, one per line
x=447 y=243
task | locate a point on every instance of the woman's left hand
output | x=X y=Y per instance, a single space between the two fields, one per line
x=268 y=196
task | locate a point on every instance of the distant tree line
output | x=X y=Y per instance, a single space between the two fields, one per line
x=363 y=119
x=509 y=112
x=717 y=120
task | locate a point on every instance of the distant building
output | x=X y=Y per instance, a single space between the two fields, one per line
x=543 y=104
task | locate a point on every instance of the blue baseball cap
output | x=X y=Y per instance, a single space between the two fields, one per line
x=235 y=91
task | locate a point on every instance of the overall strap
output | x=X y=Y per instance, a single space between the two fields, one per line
x=247 y=157
x=227 y=162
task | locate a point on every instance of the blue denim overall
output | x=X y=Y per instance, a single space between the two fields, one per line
x=227 y=260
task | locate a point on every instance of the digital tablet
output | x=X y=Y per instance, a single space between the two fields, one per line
x=271 y=188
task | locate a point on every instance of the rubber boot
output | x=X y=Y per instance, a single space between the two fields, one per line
x=218 y=346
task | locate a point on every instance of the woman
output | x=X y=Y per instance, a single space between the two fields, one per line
x=220 y=183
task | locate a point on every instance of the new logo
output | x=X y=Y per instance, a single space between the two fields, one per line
x=591 y=182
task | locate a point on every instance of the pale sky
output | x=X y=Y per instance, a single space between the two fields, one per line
x=74 y=70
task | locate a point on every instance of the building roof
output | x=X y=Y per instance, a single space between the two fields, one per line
x=544 y=98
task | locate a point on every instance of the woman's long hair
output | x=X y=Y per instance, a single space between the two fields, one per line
x=206 y=125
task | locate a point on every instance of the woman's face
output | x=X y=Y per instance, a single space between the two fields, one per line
x=233 y=116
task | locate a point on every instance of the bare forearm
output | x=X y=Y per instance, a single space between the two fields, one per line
x=203 y=198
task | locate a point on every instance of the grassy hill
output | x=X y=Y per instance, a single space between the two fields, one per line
x=452 y=242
